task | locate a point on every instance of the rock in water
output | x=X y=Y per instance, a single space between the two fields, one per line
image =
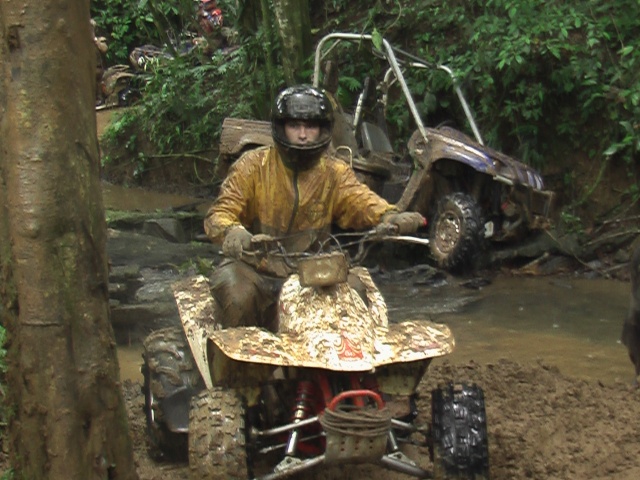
x=631 y=327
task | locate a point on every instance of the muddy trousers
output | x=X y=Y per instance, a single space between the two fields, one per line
x=244 y=297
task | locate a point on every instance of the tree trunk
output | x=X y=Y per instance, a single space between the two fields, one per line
x=68 y=418
x=269 y=40
x=294 y=28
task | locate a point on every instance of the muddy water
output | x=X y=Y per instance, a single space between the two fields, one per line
x=139 y=200
x=573 y=324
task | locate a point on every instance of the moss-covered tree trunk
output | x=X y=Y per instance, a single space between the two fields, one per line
x=269 y=41
x=68 y=418
x=294 y=28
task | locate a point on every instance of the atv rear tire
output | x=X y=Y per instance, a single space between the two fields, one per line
x=217 y=442
x=459 y=444
x=456 y=231
x=168 y=367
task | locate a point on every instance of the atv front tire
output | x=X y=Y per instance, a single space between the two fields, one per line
x=459 y=444
x=217 y=441
x=168 y=369
x=456 y=231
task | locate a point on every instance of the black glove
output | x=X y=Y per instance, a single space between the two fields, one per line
x=407 y=222
x=237 y=240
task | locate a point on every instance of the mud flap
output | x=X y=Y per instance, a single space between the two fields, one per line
x=175 y=408
x=404 y=342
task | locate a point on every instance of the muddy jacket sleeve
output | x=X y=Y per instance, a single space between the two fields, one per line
x=357 y=206
x=233 y=205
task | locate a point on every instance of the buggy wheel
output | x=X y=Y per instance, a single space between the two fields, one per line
x=459 y=445
x=217 y=441
x=455 y=237
x=168 y=369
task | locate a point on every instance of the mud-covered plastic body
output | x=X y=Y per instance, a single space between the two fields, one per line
x=335 y=383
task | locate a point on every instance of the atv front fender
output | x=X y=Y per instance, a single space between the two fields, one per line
x=454 y=145
x=450 y=145
x=196 y=309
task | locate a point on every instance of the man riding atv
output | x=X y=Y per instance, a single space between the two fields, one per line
x=295 y=189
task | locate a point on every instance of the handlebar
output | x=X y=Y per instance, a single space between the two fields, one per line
x=271 y=248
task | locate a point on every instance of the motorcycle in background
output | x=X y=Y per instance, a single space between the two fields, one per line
x=120 y=85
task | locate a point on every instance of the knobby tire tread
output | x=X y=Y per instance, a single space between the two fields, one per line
x=470 y=242
x=168 y=366
x=460 y=443
x=217 y=442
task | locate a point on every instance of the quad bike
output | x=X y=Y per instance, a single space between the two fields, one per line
x=335 y=383
x=469 y=192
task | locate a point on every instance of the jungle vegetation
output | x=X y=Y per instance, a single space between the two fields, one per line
x=551 y=82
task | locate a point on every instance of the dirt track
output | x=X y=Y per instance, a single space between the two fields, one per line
x=542 y=425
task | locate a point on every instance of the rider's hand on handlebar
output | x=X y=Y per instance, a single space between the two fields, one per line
x=405 y=222
x=237 y=240
x=385 y=230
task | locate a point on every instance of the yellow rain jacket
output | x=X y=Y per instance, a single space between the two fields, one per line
x=265 y=196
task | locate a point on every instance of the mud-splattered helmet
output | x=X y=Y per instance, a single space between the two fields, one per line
x=301 y=102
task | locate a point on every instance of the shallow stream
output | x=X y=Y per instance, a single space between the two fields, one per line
x=573 y=324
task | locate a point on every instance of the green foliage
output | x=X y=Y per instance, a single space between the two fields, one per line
x=184 y=103
x=185 y=100
x=536 y=70
x=119 y=21
x=3 y=370
x=198 y=265
x=3 y=352
x=542 y=77
x=570 y=222
x=128 y=24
